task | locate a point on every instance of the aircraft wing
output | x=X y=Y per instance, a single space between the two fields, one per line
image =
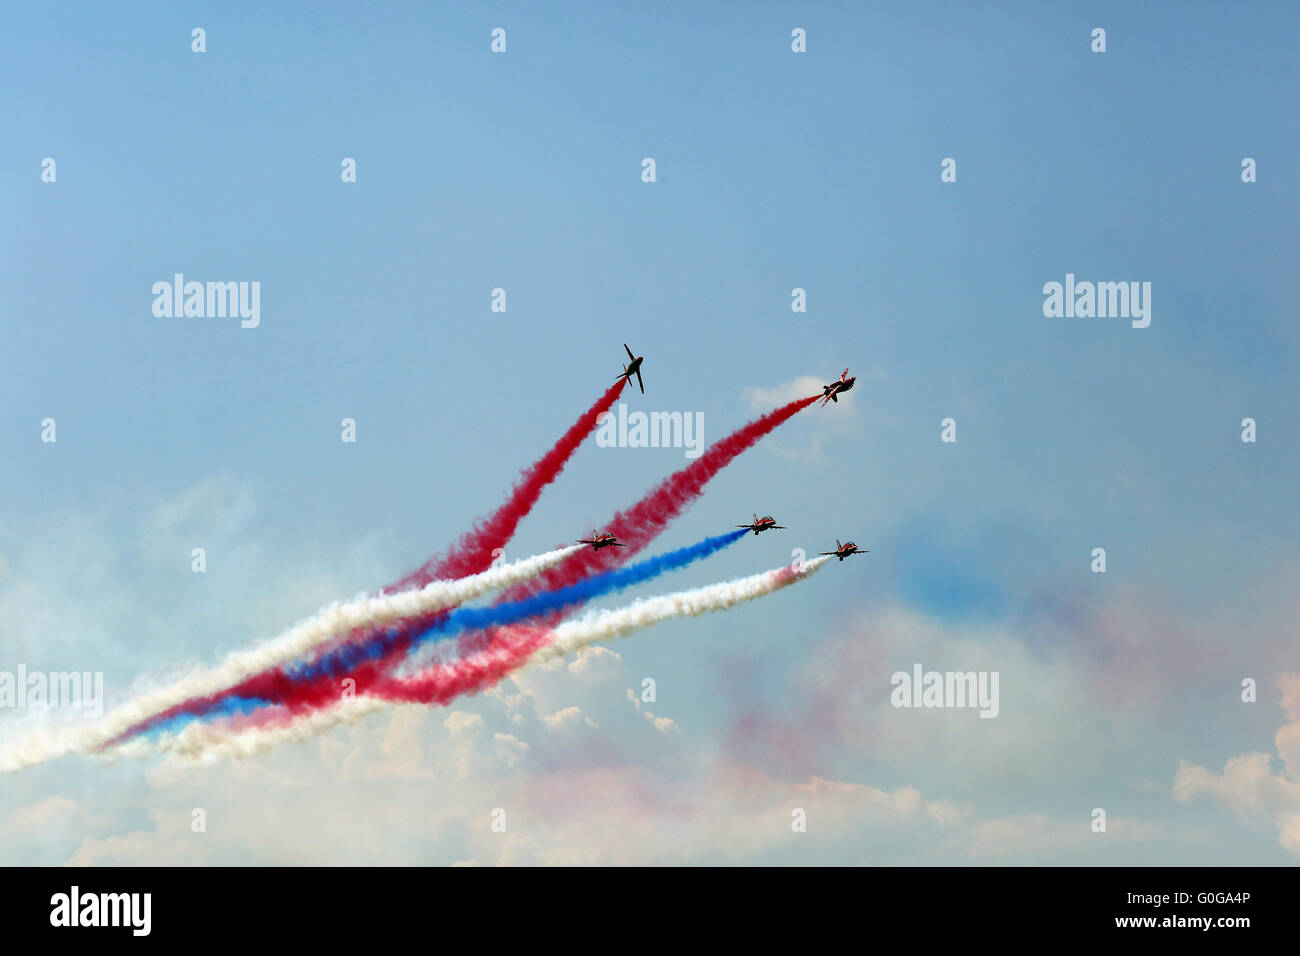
x=630 y=356
x=638 y=380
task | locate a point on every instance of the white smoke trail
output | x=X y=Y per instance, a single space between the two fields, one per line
x=206 y=742
x=609 y=624
x=50 y=743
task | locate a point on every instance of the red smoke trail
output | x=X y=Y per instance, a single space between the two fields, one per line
x=443 y=683
x=509 y=648
x=476 y=549
x=437 y=685
x=640 y=524
x=472 y=553
x=636 y=526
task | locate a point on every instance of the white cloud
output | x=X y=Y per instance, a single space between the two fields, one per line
x=460 y=722
x=364 y=795
x=416 y=785
x=847 y=415
x=595 y=663
x=664 y=725
x=510 y=748
x=764 y=398
x=1039 y=835
x=1249 y=785
x=567 y=717
x=50 y=813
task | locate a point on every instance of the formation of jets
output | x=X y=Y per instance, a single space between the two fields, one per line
x=830 y=393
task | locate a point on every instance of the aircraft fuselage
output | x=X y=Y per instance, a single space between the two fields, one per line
x=838 y=388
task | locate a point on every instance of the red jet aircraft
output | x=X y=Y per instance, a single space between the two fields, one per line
x=604 y=540
x=766 y=523
x=842 y=551
x=832 y=391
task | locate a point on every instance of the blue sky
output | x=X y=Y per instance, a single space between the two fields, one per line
x=775 y=170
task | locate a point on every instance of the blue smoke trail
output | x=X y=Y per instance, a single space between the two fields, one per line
x=343 y=659
x=228 y=707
